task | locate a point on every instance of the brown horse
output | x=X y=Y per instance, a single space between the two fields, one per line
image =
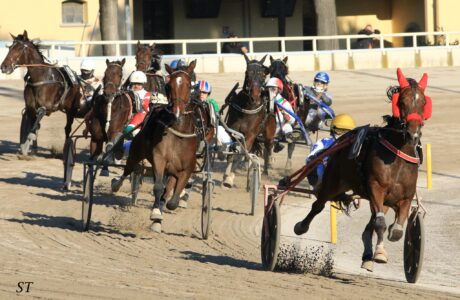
x=48 y=88
x=385 y=171
x=169 y=141
x=148 y=61
x=105 y=126
x=292 y=93
x=247 y=113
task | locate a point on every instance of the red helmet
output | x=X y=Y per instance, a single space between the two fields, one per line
x=276 y=82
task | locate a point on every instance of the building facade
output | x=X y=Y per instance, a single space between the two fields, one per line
x=78 y=20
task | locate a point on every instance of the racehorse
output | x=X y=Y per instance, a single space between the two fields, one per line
x=385 y=171
x=111 y=111
x=169 y=140
x=48 y=88
x=279 y=69
x=247 y=113
x=148 y=61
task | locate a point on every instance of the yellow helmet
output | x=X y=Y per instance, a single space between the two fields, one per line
x=342 y=122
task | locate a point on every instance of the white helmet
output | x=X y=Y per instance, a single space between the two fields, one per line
x=87 y=64
x=138 y=77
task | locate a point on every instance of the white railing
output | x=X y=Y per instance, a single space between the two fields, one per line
x=445 y=39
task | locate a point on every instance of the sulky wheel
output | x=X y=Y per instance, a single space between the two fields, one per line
x=414 y=244
x=206 y=208
x=87 y=203
x=253 y=185
x=69 y=162
x=270 y=237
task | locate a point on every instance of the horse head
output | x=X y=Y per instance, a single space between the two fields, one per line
x=410 y=105
x=22 y=51
x=112 y=76
x=278 y=68
x=255 y=76
x=179 y=87
x=147 y=57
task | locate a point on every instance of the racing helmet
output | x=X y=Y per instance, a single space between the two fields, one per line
x=204 y=86
x=322 y=77
x=87 y=64
x=275 y=82
x=178 y=63
x=342 y=123
x=138 y=77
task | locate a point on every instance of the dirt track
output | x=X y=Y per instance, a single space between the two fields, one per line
x=41 y=242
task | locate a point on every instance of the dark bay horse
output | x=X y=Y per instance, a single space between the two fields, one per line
x=48 y=88
x=169 y=141
x=111 y=111
x=248 y=113
x=385 y=171
x=148 y=61
x=279 y=69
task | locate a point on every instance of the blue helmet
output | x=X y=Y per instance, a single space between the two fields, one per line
x=322 y=77
x=177 y=63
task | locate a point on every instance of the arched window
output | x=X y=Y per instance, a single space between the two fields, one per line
x=73 y=12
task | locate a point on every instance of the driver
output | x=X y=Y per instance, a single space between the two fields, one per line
x=340 y=124
x=318 y=92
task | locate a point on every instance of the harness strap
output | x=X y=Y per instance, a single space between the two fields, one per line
x=43 y=82
x=406 y=157
x=247 y=111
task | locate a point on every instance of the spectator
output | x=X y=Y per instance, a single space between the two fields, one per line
x=365 y=43
x=234 y=47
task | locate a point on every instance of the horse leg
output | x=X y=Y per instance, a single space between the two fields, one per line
x=156 y=214
x=185 y=195
x=229 y=175
x=303 y=226
x=368 y=262
x=395 y=231
x=291 y=147
x=377 y=198
x=133 y=160
x=182 y=179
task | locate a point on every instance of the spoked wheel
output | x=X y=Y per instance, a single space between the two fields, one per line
x=206 y=208
x=414 y=244
x=69 y=161
x=270 y=237
x=24 y=140
x=136 y=179
x=87 y=203
x=253 y=185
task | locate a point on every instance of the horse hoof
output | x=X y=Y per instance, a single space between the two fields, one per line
x=380 y=255
x=156 y=227
x=156 y=215
x=183 y=203
x=104 y=173
x=395 y=232
x=172 y=205
x=368 y=265
x=32 y=136
x=66 y=187
x=298 y=229
x=116 y=184
x=228 y=180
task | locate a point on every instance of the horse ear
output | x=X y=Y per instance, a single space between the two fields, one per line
x=138 y=43
x=169 y=69
x=123 y=62
x=285 y=59
x=246 y=58
x=191 y=66
x=12 y=36
x=423 y=82
x=394 y=105
x=266 y=71
x=271 y=59
x=427 y=109
x=25 y=35
x=107 y=62
x=401 y=79
x=263 y=59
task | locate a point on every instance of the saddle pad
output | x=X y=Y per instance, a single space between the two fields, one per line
x=355 y=149
x=70 y=75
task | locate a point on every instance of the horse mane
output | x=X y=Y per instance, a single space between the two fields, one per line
x=36 y=44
